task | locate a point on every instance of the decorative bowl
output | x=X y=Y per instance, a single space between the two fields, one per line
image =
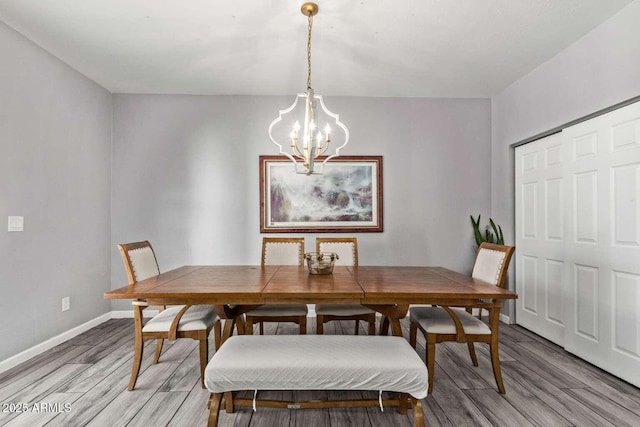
x=320 y=262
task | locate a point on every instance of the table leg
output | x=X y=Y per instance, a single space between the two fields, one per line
x=227 y=331
x=391 y=316
x=233 y=317
x=384 y=326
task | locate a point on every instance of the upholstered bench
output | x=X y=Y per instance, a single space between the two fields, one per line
x=316 y=362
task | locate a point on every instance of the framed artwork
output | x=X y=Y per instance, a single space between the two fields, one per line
x=346 y=197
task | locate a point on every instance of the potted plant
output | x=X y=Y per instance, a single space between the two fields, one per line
x=488 y=235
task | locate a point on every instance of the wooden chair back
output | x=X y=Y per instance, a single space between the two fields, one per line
x=492 y=262
x=282 y=251
x=139 y=261
x=345 y=247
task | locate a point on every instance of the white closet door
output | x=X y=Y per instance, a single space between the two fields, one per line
x=602 y=220
x=540 y=268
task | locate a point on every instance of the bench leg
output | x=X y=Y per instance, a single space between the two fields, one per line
x=418 y=415
x=403 y=403
x=228 y=402
x=214 y=409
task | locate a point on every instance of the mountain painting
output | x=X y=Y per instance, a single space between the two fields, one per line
x=344 y=195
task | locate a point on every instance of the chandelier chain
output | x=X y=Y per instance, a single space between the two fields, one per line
x=309 y=52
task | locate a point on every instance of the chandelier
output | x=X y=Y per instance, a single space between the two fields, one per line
x=308 y=129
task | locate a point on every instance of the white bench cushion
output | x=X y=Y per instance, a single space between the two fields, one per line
x=342 y=309
x=317 y=362
x=273 y=310
x=435 y=320
x=197 y=317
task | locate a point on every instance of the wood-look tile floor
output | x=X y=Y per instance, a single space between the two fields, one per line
x=83 y=383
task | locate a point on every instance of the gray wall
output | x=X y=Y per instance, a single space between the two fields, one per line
x=599 y=70
x=55 y=135
x=185 y=176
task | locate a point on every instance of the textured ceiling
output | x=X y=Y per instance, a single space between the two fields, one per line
x=411 y=48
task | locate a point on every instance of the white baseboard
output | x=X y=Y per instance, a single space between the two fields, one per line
x=12 y=361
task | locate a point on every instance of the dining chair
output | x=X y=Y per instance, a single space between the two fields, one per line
x=184 y=321
x=280 y=251
x=443 y=323
x=347 y=250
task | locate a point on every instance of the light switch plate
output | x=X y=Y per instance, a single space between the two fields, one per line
x=16 y=223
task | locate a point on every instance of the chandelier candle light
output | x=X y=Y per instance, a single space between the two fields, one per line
x=307 y=141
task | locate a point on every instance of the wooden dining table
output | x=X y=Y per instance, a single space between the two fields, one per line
x=388 y=290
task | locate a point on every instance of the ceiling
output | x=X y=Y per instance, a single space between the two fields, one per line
x=387 y=48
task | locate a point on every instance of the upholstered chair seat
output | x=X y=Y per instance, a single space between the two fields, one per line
x=196 y=317
x=434 y=320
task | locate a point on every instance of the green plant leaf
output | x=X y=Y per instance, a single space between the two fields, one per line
x=476 y=230
x=492 y=232
x=488 y=235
